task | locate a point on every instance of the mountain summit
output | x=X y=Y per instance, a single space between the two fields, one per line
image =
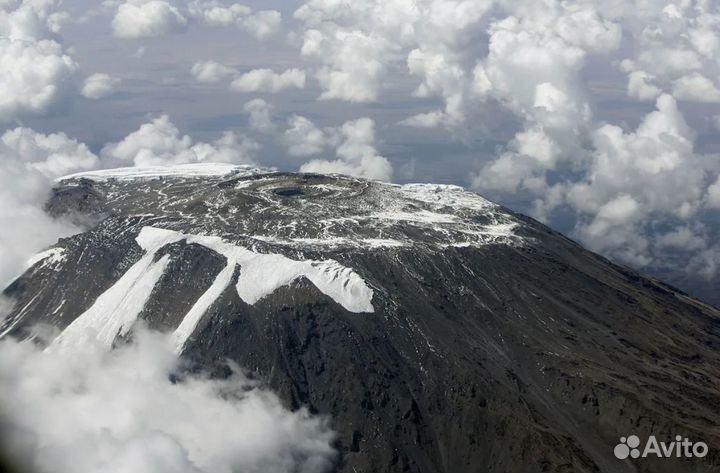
x=441 y=332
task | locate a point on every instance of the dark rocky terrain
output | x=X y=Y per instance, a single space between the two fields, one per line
x=442 y=333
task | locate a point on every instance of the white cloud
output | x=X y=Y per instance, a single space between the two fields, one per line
x=262 y=24
x=356 y=44
x=530 y=154
x=29 y=162
x=706 y=264
x=705 y=40
x=353 y=142
x=656 y=162
x=256 y=80
x=622 y=185
x=30 y=20
x=259 y=115
x=682 y=238
x=211 y=72
x=302 y=138
x=640 y=86
x=356 y=154
x=613 y=230
x=355 y=72
x=160 y=143
x=218 y=14
x=34 y=76
x=146 y=18
x=35 y=72
x=265 y=80
x=696 y=88
x=425 y=120
x=676 y=45
x=635 y=179
x=89 y=410
x=441 y=76
x=99 y=85
x=669 y=61
x=533 y=69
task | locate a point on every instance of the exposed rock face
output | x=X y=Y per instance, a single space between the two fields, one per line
x=440 y=331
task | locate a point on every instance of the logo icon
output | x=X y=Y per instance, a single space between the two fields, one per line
x=628 y=447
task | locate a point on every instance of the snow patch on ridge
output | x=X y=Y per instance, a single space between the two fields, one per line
x=446 y=196
x=118 y=308
x=333 y=242
x=180 y=171
x=52 y=256
x=262 y=274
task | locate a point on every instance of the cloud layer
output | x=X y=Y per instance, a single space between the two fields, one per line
x=132 y=410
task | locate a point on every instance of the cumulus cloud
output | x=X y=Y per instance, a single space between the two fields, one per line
x=424 y=120
x=265 y=80
x=261 y=24
x=640 y=85
x=29 y=162
x=259 y=119
x=302 y=138
x=160 y=143
x=696 y=87
x=147 y=18
x=533 y=67
x=132 y=409
x=683 y=238
x=211 y=72
x=256 y=80
x=675 y=45
x=656 y=165
x=99 y=86
x=636 y=180
x=34 y=76
x=218 y=14
x=35 y=71
x=356 y=154
x=357 y=44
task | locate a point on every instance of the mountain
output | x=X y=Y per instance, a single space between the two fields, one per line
x=441 y=332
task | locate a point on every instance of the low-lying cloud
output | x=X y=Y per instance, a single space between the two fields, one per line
x=131 y=410
x=29 y=162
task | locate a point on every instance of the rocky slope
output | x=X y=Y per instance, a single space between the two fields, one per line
x=440 y=331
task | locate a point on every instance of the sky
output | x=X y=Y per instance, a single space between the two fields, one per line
x=599 y=118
